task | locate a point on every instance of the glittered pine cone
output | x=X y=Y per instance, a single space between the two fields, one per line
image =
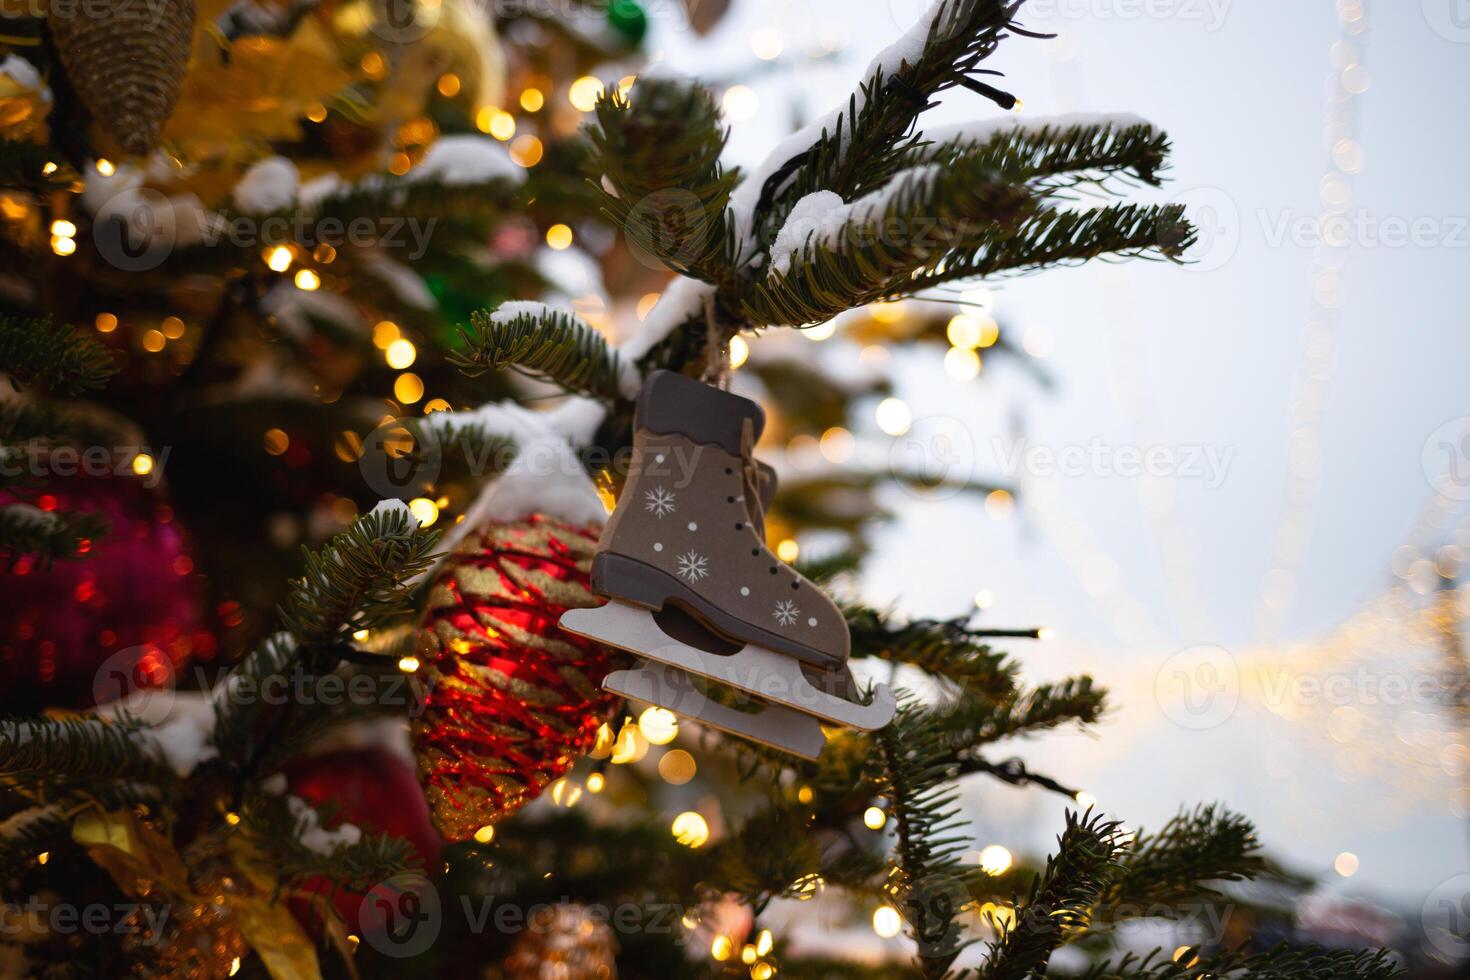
x=126 y=60
x=513 y=700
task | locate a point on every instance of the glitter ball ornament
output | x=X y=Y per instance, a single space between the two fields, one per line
x=563 y=942
x=513 y=700
x=126 y=61
x=125 y=615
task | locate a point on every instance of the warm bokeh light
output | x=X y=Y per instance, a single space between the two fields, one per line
x=886 y=921
x=787 y=550
x=690 y=829
x=425 y=510
x=893 y=416
x=874 y=818
x=307 y=280
x=400 y=353
x=677 y=767
x=739 y=351
x=485 y=834
x=962 y=364
x=767 y=43
x=142 y=464
x=999 y=504
x=659 y=725
x=584 y=93
x=1346 y=864
x=408 y=388
x=559 y=237
x=526 y=150
x=740 y=103
x=995 y=860
x=532 y=100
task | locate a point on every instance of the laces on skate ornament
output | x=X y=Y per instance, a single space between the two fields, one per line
x=695 y=592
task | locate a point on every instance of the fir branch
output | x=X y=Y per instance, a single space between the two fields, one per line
x=47 y=536
x=24 y=165
x=274 y=830
x=974 y=722
x=930 y=885
x=885 y=240
x=45 y=748
x=1064 y=237
x=657 y=154
x=945 y=648
x=1060 y=899
x=867 y=143
x=1174 y=865
x=1039 y=155
x=1278 y=963
x=545 y=343
x=359 y=579
x=237 y=717
x=63 y=359
x=750 y=867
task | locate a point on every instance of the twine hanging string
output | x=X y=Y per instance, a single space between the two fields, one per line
x=716 y=361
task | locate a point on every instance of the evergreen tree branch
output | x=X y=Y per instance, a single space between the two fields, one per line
x=874 y=247
x=1278 y=963
x=657 y=157
x=359 y=579
x=1174 y=865
x=45 y=748
x=62 y=359
x=866 y=144
x=930 y=885
x=1036 y=155
x=1063 y=237
x=545 y=343
x=46 y=535
x=1085 y=863
x=275 y=830
x=945 y=648
x=25 y=165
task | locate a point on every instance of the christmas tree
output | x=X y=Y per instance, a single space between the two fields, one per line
x=272 y=822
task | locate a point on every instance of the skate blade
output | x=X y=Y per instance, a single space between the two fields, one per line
x=754 y=669
x=671 y=688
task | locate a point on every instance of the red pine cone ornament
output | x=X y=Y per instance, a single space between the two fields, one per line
x=513 y=700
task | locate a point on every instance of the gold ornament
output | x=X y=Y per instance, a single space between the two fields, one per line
x=24 y=100
x=126 y=61
x=563 y=942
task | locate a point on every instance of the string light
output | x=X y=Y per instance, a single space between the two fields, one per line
x=595 y=782
x=874 y=818
x=307 y=280
x=584 y=93
x=485 y=834
x=739 y=351
x=409 y=665
x=893 y=416
x=995 y=860
x=526 y=150
x=425 y=510
x=142 y=464
x=962 y=364
x=658 y=725
x=559 y=237
x=532 y=100
x=690 y=829
x=767 y=43
x=886 y=921
x=787 y=550
x=400 y=353
x=106 y=322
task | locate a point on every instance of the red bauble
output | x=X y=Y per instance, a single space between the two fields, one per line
x=124 y=615
x=377 y=791
x=514 y=701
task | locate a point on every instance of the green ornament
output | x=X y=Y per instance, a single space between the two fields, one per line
x=628 y=19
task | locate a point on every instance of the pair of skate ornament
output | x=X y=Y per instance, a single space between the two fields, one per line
x=695 y=592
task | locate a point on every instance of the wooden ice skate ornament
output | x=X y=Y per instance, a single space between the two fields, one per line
x=694 y=589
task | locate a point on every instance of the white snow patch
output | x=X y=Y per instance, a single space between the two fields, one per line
x=821 y=222
x=464 y=160
x=312 y=193
x=294 y=309
x=269 y=185
x=406 y=284
x=24 y=74
x=546 y=476
x=506 y=312
x=807 y=218
x=187 y=738
x=32 y=515
x=683 y=300
x=313 y=835
x=274 y=784
x=394 y=506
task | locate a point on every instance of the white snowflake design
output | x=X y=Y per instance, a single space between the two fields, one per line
x=660 y=502
x=693 y=566
x=785 y=612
